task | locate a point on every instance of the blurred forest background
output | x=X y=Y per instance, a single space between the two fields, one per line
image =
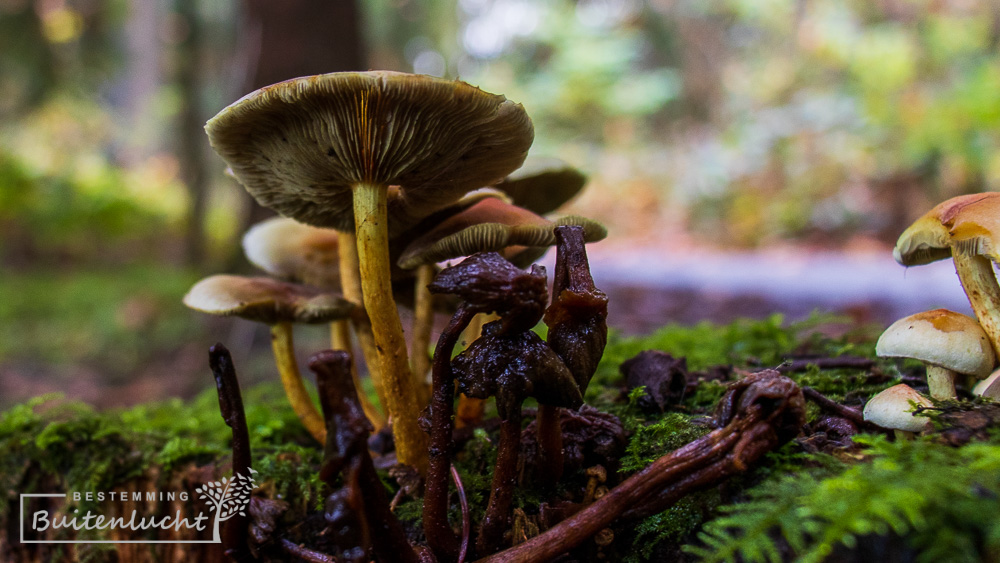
x=704 y=125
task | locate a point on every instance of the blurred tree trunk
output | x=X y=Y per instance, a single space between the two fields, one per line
x=194 y=167
x=299 y=38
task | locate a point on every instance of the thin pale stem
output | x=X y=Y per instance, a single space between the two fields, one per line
x=340 y=339
x=350 y=285
x=402 y=400
x=291 y=380
x=980 y=284
x=423 y=322
x=941 y=382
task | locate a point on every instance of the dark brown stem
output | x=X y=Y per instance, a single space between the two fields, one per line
x=550 y=444
x=347 y=450
x=234 y=530
x=497 y=517
x=440 y=536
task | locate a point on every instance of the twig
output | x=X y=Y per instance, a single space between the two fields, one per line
x=851 y=362
x=305 y=553
x=466 y=523
x=234 y=530
x=840 y=410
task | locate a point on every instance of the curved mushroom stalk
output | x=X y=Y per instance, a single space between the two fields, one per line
x=291 y=380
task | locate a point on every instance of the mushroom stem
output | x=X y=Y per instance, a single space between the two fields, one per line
x=340 y=339
x=903 y=435
x=439 y=535
x=497 y=517
x=423 y=322
x=941 y=382
x=350 y=285
x=550 y=444
x=373 y=256
x=980 y=284
x=291 y=380
x=470 y=410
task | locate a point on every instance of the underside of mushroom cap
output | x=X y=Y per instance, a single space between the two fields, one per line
x=891 y=409
x=940 y=337
x=542 y=185
x=974 y=226
x=294 y=251
x=964 y=221
x=490 y=225
x=265 y=300
x=299 y=146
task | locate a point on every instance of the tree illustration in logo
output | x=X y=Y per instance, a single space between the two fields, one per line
x=229 y=497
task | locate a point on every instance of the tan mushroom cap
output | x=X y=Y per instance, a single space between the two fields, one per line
x=967 y=221
x=940 y=337
x=265 y=300
x=300 y=145
x=542 y=185
x=293 y=251
x=891 y=409
x=491 y=225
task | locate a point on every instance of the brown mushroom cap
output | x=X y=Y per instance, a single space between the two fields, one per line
x=967 y=221
x=491 y=225
x=891 y=409
x=265 y=300
x=940 y=337
x=293 y=251
x=542 y=185
x=299 y=146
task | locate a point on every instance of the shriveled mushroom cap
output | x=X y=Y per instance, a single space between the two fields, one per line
x=543 y=184
x=293 y=251
x=491 y=225
x=265 y=300
x=942 y=338
x=989 y=387
x=891 y=409
x=966 y=221
x=299 y=146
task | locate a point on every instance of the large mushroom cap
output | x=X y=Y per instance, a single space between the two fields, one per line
x=967 y=221
x=265 y=300
x=891 y=409
x=290 y=250
x=299 y=146
x=492 y=225
x=542 y=185
x=940 y=337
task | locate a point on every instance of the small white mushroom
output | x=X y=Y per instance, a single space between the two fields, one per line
x=892 y=409
x=989 y=387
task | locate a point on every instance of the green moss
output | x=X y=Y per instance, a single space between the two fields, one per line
x=651 y=441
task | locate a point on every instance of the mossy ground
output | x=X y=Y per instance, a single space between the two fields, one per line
x=924 y=498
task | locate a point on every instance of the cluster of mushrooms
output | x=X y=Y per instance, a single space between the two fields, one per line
x=951 y=345
x=378 y=176
x=381 y=179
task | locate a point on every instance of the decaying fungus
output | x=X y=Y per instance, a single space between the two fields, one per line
x=892 y=409
x=371 y=153
x=346 y=453
x=278 y=304
x=948 y=343
x=578 y=332
x=962 y=228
